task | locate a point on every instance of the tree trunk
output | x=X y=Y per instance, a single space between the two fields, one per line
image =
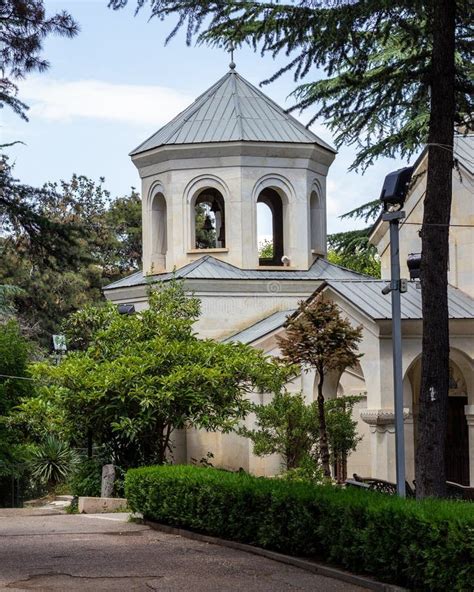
x=89 y=443
x=432 y=416
x=323 y=435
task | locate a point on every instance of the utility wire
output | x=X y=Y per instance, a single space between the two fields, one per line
x=18 y=377
x=434 y=224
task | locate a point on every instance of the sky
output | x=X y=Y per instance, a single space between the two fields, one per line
x=116 y=83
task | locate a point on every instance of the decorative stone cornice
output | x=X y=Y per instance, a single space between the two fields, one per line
x=469 y=413
x=381 y=420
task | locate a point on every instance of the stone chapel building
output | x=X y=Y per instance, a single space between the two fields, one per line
x=204 y=175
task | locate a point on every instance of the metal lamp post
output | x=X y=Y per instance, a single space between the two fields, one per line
x=393 y=197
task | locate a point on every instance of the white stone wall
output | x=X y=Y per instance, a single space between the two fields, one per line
x=295 y=172
x=461 y=232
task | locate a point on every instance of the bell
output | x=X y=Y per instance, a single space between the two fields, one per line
x=208 y=225
x=215 y=206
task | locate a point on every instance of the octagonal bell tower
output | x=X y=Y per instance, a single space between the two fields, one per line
x=210 y=173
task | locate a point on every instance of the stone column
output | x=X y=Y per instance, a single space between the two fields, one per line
x=108 y=480
x=382 y=441
x=469 y=413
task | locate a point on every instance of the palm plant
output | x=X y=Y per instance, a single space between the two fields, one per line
x=52 y=461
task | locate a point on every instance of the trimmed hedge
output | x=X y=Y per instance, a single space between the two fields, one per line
x=425 y=545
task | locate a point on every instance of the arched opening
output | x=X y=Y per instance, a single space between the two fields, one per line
x=270 y=217
x=457 y=435
x=159 y=234
x=209 y=220
x=317 y=232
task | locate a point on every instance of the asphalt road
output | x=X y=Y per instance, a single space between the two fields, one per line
x=44 y=550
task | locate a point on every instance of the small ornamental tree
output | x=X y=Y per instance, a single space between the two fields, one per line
x=317 y=337
x=285 y=426
x=342 y=432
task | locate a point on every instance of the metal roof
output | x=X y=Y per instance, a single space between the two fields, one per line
x=261 y=328
x=208 y=267
x=232 y=110
x=367 y=296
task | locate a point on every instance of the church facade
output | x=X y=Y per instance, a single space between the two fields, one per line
x=206 y=177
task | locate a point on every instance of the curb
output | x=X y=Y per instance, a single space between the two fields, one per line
x=312 y=566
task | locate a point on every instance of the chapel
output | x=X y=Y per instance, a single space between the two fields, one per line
x=206 y=177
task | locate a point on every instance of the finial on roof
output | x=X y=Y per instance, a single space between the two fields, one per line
x=231 y=51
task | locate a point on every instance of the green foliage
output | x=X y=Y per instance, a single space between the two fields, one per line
x=14 y=449
x=205 y=239
x=308 y=471
x=145 y=375
x=362 y=259
x=265 y=250
x=289 y=427
x=7 y=297
x=374 y=61
x=352 y=248
x=23 y=28
x=124 y=223
x=342 y=428
x=81 y=326
x=62 y=244
x=14 y=352
x=52 y=461
x=421 y=545
x=86 y=478
x=285 y=426
x=318 y=337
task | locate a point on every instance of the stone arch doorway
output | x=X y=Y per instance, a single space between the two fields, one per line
x=457 y=436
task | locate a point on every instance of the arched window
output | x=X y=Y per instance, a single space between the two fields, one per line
x=209 y=220
x=270 y=218
x=317 y=230
x=159 y=238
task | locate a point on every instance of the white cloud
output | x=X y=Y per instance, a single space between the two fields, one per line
x=59 y=100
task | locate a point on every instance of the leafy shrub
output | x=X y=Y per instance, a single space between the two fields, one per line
x=286 y=426
x=309 y=470
x=86 y=479
x=424 y=545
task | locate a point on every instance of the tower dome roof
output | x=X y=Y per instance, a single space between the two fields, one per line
x=232 y=110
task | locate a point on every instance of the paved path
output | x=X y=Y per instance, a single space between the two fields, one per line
x=48 y=551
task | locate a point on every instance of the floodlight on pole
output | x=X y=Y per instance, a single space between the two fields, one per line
x=393 y=196
x=126 y=309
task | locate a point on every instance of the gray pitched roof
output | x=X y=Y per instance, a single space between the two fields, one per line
x=208 y=267
x=366 y=295
x=261 y=328
x=232 y=110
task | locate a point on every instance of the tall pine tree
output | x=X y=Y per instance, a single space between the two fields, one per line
x=393 y=75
